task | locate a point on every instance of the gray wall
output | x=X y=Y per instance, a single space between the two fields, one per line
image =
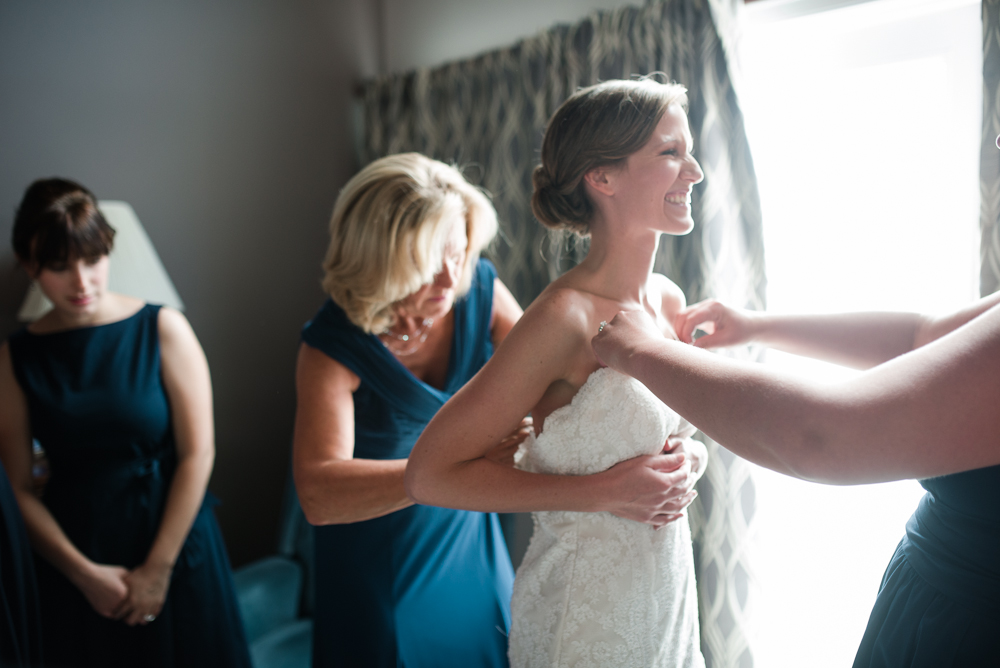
x=227 y=126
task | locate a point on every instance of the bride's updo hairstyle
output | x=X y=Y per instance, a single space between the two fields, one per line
x=598 y=126
x=388 y=232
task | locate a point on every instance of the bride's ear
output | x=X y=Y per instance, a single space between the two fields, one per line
x=599 y=180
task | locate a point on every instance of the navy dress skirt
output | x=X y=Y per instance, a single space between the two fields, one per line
x=939 y=604
x=20 y=626
x=423 y=586
x=97 y=406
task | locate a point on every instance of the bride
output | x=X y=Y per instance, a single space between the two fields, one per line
x=599 y=585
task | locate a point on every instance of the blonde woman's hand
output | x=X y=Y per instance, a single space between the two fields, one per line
x=105 y=588
x=724 y=326
x=504 y=451
x=147 y=586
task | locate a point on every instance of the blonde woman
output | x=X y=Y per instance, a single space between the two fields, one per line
x=598 y=585
x=413 y=314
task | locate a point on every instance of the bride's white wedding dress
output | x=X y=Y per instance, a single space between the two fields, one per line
x=595 y=589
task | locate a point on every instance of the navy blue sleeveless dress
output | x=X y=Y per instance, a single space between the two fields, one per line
x=97 y=405
x=423 y=586
x=939 y=604
x=20 y=627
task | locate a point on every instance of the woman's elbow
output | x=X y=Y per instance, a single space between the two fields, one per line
x=312 y=513
x=421 y=481
x=415 y=483
x=316 y=512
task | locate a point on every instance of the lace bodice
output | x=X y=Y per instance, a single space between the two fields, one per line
x=613 y=417
x=595 y=589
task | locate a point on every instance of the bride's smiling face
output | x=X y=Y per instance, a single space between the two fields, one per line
x=654 y=185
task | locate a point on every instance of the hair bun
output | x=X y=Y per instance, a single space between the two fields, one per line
x=555 y=208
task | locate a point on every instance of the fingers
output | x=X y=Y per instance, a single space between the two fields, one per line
x=667 y=462
x=702 y=313
x=664 y=519
x=681 y=502
x=122 y=610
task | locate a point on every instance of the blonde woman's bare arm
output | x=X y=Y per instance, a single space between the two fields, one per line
x=334 y=487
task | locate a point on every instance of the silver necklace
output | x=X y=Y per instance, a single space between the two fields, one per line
x=410 y=342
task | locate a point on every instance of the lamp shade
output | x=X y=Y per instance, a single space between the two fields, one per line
x=134 y=267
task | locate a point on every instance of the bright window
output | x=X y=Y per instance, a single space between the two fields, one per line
x=864 y=124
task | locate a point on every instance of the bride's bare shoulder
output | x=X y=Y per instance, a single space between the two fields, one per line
x=568 y=306
x=672 y=300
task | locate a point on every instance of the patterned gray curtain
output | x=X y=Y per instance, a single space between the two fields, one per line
x=989 y=157
x=487 y=114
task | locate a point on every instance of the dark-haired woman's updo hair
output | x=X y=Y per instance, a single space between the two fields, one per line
x=58 y=220
x=598 y=126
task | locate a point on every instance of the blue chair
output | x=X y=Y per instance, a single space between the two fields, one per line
x=276 y=595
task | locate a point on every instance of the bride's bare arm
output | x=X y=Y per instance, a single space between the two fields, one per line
x=449 y=467
x=929 y=412
x=858 y=340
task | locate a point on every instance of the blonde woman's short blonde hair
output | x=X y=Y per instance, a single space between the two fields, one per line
x=388 y=232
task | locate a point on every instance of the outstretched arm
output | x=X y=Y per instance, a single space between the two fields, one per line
x=858 y=340
x=928 y=412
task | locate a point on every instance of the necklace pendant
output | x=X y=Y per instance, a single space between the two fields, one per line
x=415 y=340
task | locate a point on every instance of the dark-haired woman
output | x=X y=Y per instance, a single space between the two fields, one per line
x=132 y=568
x=596 y=588
x=924 y=408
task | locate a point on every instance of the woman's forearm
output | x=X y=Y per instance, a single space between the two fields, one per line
x=49 y=540
x=350 y=490
x=734 y=404
x=861 y=340
x=187 y=491
x=487 y=486
x=927 y=413
x=857 y=340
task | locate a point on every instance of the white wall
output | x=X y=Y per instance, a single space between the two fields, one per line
x=420 y=33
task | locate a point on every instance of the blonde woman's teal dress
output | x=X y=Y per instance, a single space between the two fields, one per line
x=423 y=586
